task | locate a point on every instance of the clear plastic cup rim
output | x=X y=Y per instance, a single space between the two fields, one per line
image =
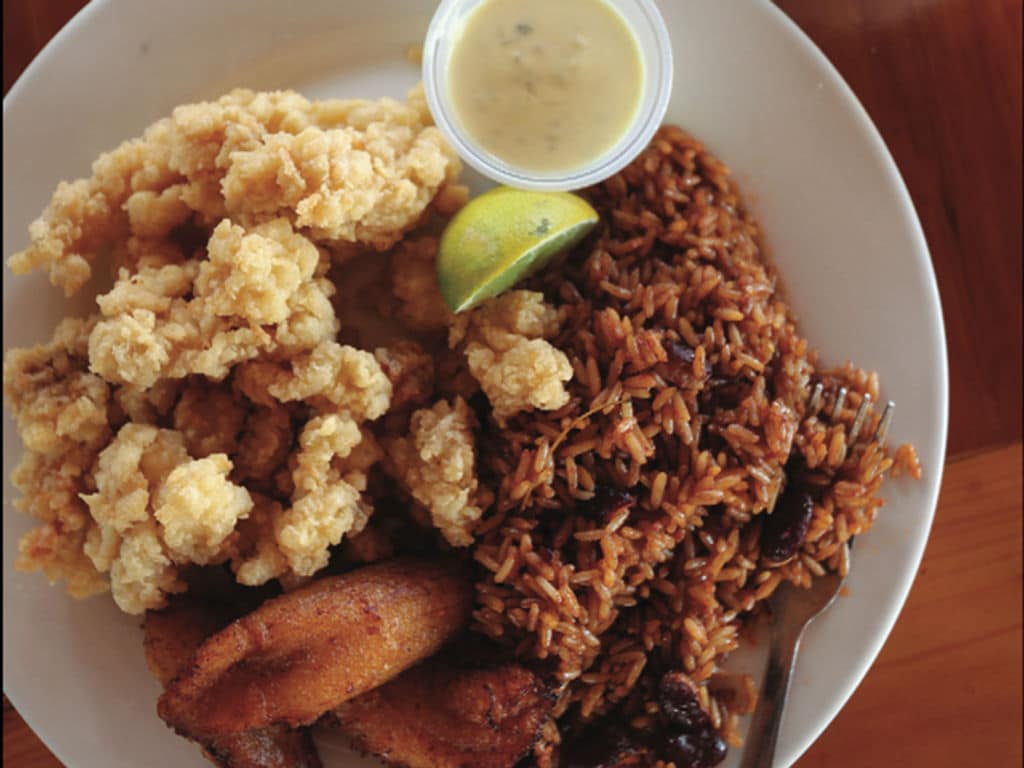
x=646 y=23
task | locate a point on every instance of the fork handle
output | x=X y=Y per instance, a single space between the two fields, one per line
x=759 y=750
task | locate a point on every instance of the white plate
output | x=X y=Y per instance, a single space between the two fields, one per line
x=837 y=218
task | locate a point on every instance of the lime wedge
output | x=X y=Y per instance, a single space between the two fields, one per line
x=504 y=235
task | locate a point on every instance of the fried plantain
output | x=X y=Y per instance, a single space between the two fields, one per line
x=172 y=637
x=307 y=651
x=445 y=714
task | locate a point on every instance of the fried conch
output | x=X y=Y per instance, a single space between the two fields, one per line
x=306 y=652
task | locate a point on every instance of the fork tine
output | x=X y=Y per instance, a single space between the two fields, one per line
x=815 y=403
x=777 y=491
x=844 y=557
x=883 y=423
x=858 y=420
x=837 y=407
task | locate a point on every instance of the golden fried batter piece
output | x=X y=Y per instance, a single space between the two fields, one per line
x=331 y=377
x=328 y=501
x=144 y=406
x=261 y=290
x=264 y=443
x=441 y=714
x=172 y=637
x=209 y=417
x=306 y=652
x=410 y=369
x=326 y=473
x=294 y=543
x=326 y=477
x=435 y=462
x=258 y=557
x=504 y=343
x=155 y=509
x=414 y=284
x=57 y=402
x=345 y=170
x=62 y=412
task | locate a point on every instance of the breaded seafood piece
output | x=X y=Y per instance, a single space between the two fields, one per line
x=435 y=462
x=332 y=377
x=365 y=186
x=504 y=343
x=327 y=472
x=56 y=547
x=198 y=508
x=443 y=714
x=259 y=291
x=62 y=412
x=329 y=477
x=257 y=557
x=56 y=402
x=421 y=307
x=410 y=369
x=264 y=442
x=307 y=651
x=145 y=406
x=156 y=508
x=328 y=502
x=171 y=637
x=362 y=171
x=209 y=417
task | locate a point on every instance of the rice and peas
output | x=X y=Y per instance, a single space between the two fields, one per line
x=625 y=537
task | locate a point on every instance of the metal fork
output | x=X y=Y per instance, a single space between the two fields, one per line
x=817 y=400
x=793 y=609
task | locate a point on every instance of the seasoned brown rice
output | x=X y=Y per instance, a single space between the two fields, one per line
x=625 y=537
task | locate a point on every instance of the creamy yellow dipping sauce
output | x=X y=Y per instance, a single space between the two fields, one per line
x=546 y=85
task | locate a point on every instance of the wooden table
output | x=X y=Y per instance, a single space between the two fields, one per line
x=942 y=80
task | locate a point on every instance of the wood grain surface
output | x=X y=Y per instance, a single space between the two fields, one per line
x=942 y=81
x=945 y=690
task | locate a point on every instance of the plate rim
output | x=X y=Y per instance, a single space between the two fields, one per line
x=922 y=253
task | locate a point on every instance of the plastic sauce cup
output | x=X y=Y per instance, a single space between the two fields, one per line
x=645 y=22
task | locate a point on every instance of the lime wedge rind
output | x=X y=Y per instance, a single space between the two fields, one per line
x=502 y=279
x=503 y=237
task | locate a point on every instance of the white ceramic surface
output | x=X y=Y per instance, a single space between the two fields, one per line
x=837 y=218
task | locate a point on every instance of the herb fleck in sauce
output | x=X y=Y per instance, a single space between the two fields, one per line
x=546 y=85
